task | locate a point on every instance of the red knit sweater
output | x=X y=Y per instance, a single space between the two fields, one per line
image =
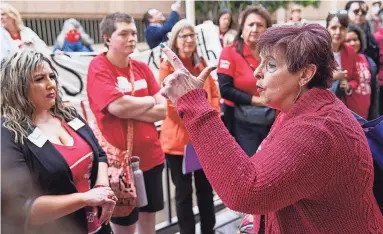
x=313 y=173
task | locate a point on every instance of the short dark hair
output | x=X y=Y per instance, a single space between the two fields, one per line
x=223 y=12
x=361 y=36
x=377 y=2
x=257 y=9
x=349 y=3
x=342 y=17
x=108 y=23
x=302 y=44
x=145 y=19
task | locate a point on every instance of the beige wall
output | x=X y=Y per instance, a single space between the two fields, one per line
x=97 y=9
x=85 y=9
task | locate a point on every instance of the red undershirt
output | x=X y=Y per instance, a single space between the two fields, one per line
x=79 y=158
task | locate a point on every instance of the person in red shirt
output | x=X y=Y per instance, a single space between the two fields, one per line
x=379 y=38
x=237 y=84
x=54 y=172
x=364 y=101
x=359 y=101
x=314 y=172
x=112 y=77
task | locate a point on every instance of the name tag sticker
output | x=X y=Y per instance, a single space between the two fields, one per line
x=37 y=137
x=76 y=124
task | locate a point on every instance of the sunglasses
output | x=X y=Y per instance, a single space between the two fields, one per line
x=360 y=10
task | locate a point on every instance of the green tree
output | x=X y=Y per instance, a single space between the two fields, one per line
x=208 y=10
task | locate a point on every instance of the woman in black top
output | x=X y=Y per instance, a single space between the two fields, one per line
x=46 y=147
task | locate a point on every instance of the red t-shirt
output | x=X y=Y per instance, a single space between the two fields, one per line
x=379 y=38
x=104 y=85
x=79 y=157
x=241 y=69
x=360 y=99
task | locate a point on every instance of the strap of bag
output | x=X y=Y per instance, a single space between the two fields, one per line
x=130 y=129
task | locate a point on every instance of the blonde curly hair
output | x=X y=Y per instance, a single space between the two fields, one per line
x=16 y=73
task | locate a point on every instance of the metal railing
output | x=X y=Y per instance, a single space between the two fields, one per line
x=49 y=28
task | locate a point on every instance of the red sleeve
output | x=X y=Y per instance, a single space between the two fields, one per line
x=354 y=82
x=226 y=63
x=101 y=84
x=272 y=179
x=153 y=85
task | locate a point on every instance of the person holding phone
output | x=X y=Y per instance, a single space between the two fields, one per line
x=157 y=27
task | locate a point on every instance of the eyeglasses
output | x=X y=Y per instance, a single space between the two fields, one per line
x=360 y=10
x=187 y=36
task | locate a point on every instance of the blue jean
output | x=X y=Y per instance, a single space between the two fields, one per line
x=249 y=136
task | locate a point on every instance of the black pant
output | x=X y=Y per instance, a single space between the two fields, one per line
x=228 y=117
x=184 y=202
x=249 y=136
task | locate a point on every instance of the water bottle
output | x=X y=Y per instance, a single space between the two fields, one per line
x=141 y=200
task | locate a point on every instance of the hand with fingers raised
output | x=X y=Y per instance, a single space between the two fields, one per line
x=181 y=81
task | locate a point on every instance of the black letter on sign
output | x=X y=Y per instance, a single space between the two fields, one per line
x=204 y=45
x=154 y=61
x=70 y=93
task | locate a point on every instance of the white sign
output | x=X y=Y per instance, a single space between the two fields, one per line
x=73 y=67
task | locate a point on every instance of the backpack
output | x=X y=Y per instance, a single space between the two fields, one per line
x=374 y=133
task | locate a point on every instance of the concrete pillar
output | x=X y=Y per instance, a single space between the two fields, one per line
x=190 y=11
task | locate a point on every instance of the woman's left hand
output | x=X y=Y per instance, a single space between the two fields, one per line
x=181 y=81
x=106 y=212
x=344 y=84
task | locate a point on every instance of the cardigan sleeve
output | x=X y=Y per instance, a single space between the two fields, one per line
x=281 y=173
x=18 y=186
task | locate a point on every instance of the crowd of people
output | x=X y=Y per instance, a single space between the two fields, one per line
x=283 y=146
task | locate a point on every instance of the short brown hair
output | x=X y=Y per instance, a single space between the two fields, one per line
x=302 y=44
x=108 y=23
x=257 y=9
x=342 y=17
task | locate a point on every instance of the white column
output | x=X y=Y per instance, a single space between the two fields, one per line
x=334 y=5
x=190 y=11
x=281 y=15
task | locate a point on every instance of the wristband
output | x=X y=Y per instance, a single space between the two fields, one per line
x=100 y=186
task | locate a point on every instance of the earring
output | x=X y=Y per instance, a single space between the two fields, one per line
x=299 y=93
x=242 y=36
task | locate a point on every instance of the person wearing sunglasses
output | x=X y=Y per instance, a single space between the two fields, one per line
x=357 y=11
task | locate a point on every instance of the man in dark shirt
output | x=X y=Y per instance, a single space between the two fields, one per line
x=156 y=29
x=357 y=11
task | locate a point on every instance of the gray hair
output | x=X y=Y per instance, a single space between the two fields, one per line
x=85 y=38
x=16 y=73
x=108 y=23
x=177 y=28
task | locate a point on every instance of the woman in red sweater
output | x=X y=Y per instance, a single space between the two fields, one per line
x=314 y=171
